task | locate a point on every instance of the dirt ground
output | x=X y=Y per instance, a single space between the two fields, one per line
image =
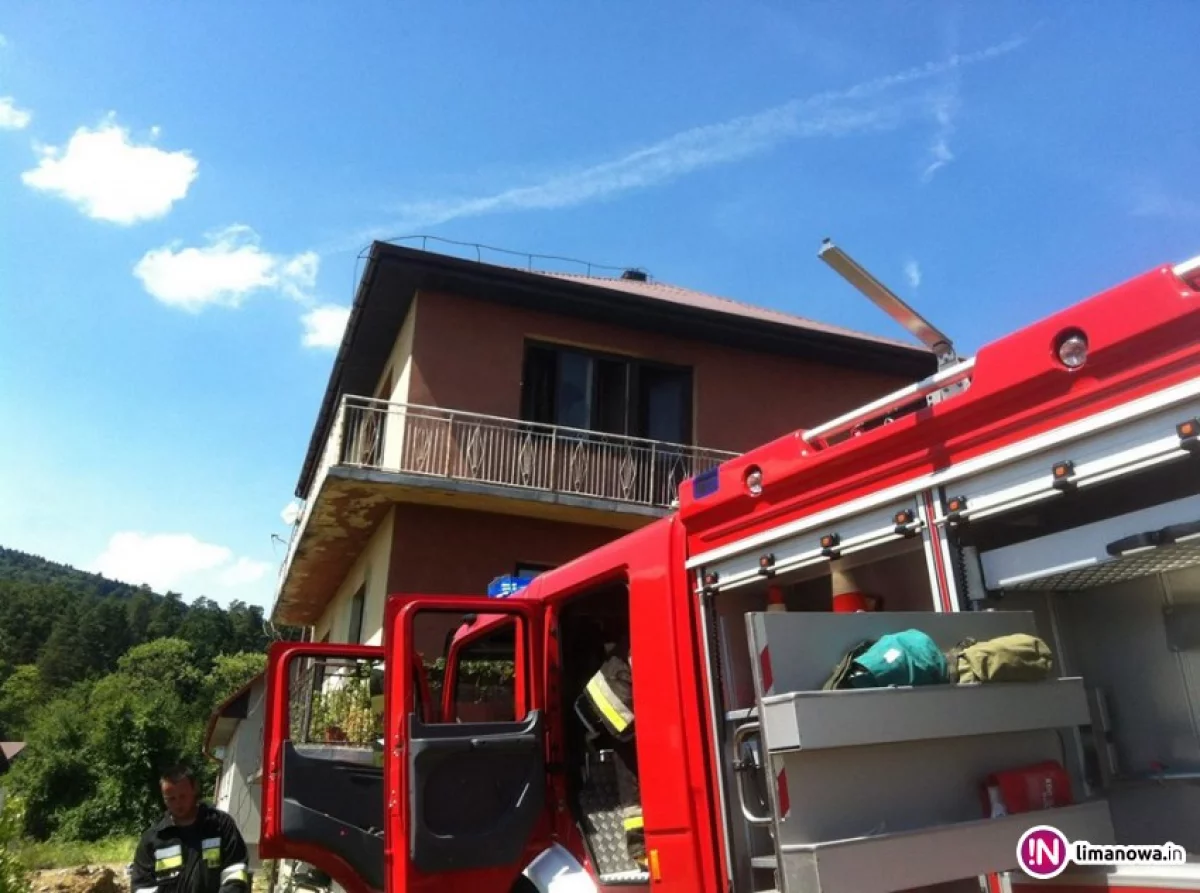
x=97 y=879
x=81 y=879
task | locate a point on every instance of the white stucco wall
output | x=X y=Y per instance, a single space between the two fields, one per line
x=399 y=368
x=242 y=759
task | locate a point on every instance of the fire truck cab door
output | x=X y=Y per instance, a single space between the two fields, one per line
x=466 y=792
x=323 y=784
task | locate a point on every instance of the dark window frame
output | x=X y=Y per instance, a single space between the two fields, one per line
x=358 y=606
x=534 y=566
x=634 y=372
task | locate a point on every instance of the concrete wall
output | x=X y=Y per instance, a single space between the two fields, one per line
x=236 y=794
x=372 y=567
x=741 y=399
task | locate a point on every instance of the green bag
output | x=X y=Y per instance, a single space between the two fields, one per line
x=1016 y=658
x=905 y=658
x=840 y=677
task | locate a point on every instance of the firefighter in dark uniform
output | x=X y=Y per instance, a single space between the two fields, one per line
x=609 y=697
x=193 y=848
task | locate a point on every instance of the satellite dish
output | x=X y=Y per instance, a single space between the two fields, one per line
x=290 y=514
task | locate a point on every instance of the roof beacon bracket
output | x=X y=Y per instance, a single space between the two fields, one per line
x=889 y=302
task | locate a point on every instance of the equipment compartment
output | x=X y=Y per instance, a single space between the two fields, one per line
x=888 y=792
x=1113 y=578
x=895 y=573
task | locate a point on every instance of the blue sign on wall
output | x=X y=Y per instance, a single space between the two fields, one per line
x=503 y=587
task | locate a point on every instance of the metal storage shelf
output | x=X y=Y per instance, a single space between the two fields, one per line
x=913 y=859
x=1137 y=544
x=814 y=720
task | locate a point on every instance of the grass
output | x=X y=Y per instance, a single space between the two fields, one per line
x=70 y=853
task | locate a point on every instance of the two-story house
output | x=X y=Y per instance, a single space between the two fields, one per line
x=483 y=420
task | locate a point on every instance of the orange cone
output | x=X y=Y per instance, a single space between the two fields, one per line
x=847 y=598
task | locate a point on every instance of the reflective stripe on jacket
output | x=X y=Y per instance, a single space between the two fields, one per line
x=208 y=856
x=610 y=692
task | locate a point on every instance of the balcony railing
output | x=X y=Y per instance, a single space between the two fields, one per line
x=463 y=446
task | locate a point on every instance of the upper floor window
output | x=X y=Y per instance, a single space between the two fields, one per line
x=599 y=392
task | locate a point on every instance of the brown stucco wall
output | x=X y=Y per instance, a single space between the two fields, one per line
x=439 y=550
x=468 y=355
x=445 y=551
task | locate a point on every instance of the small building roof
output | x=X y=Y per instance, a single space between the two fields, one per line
x=225 y=718
x=8 y=753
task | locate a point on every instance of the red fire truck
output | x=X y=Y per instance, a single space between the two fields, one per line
x=1048 y=486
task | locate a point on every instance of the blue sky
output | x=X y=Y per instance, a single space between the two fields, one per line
x=184 y=189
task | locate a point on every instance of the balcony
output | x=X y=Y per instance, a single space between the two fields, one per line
x=379 y=453
x=470 y=448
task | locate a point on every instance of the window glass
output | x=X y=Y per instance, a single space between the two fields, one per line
x=470 y=665
x=574 y=391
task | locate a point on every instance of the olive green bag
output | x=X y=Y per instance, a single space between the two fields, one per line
x=1016 y=658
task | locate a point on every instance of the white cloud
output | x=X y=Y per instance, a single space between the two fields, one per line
x=833 y=113
x=244 y=570
x=325 y=325
x=182 y=563
x=224 y=272
x=108 y=176
x=162 y=560
x=912 y=272
x=945 y=107
x=12 y=117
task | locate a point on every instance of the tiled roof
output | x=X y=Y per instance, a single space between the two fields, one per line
x=688 y=298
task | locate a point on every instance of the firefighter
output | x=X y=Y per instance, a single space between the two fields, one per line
x=193 y=848
x=609 y=696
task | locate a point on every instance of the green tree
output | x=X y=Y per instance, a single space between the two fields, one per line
x=161 y=665
x=104 y=631
x=138 y=611
x=246 y=624
x=105 y=682
x=65 y=658
x=208 y=628
x=166 y=617
x=53 y=775
x=231 y=671
x=13 y=876
x=21 y=694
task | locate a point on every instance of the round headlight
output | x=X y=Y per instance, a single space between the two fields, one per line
x=1073 y=350
x=754 y=482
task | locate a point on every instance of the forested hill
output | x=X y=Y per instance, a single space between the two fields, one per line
x=73 y=625
x=106 y=682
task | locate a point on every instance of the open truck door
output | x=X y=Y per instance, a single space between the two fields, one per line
x=323 y=785
x=323 y=781
x=466 y=791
